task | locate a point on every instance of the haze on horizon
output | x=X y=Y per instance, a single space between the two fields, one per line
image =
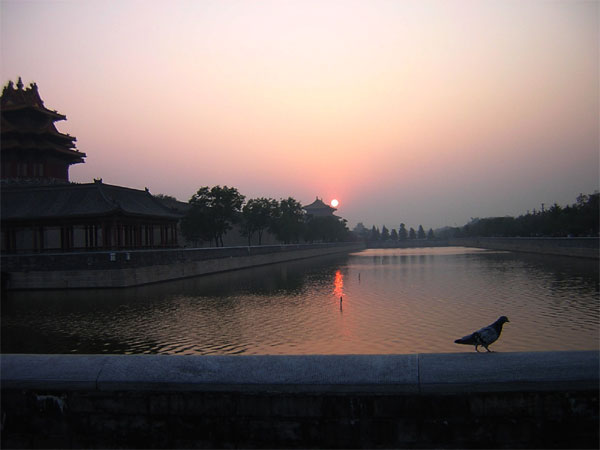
x=422 y=112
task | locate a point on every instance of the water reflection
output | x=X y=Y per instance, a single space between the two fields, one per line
x=394 y=301
x=338 y=284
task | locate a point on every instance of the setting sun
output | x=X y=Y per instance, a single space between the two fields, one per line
x=334 y=203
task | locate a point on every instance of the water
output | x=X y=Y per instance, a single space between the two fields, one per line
x=394 y=301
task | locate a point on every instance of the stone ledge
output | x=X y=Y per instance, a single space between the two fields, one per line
x=515 y=371
x=423 y=373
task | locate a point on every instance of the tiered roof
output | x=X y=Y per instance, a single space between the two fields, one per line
x=27 y=125
x=318 y=208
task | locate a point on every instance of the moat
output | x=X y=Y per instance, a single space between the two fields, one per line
x=393 y=301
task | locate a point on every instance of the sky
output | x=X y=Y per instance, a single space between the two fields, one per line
x=419 y=112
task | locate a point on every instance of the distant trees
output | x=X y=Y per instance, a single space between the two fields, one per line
x=375 y=235
x=385 y=234
x=212 y=213
x=287 y=223
x=361 y=232
x=578 y=219
x=412 y=234
x=402 y=233
x=393 y=235
x=326 y=229
x=258 y=214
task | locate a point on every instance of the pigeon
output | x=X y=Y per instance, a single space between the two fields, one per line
x=486 y=336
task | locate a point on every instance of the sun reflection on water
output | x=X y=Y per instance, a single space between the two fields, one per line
x=338 y=284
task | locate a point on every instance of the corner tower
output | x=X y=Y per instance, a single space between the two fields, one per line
x=32 y=150
x=319 y=209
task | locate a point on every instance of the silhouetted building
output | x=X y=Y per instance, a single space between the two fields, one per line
x=32 y=149
x=319 y=209
x=42 y=211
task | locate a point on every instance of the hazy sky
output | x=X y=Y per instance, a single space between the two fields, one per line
x=422 y=112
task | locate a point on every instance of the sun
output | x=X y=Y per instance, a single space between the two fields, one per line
x=334 y=203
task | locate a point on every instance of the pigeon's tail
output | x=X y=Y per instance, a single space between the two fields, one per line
x=467 y=340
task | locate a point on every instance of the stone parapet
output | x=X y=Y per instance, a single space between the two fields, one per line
x=491 y=400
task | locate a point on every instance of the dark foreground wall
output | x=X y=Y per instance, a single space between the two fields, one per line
x=497 y=400
x=138 y=267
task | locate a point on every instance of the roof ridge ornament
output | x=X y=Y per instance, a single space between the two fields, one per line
x=20 y=84
x=10 y=86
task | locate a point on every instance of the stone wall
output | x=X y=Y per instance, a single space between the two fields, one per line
x=411 y=243
x=135 y=268
x=575 y=247
x=491 y=400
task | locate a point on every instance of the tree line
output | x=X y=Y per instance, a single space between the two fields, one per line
x=402 y=234
x=577 y=220
x=214 y=211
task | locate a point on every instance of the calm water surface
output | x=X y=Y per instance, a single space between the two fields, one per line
x=394 y=301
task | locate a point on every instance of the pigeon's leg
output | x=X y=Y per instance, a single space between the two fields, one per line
x=489 y=351
x=477 y=348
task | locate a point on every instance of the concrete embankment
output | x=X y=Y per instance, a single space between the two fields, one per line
x=138 y=267
x=575 y=247
x=463 y=400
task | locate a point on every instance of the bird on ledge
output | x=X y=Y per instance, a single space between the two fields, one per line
x=486 y=336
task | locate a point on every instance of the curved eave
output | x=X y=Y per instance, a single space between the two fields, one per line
x=319 y=209
x=40 y=109
x=75 y=155
x=48 y=130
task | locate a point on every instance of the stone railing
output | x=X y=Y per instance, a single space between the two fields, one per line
x=501 y=400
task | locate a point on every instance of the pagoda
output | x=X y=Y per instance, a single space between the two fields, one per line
x=33 y=151
x=41 y=211
x=319 y=209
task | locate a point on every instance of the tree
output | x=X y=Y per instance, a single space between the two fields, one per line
x=374 y=235
x=385 y=233
x=258 y=214
x=412 y=233
x=430 y=235
x=196 y=225
x=166 y=197
x=421 y=232
x=361 y=231
x=288 y=221
x=394 y=235
x=579 y=219
x=326 y=229
x=212 y=213
x=402 y=233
